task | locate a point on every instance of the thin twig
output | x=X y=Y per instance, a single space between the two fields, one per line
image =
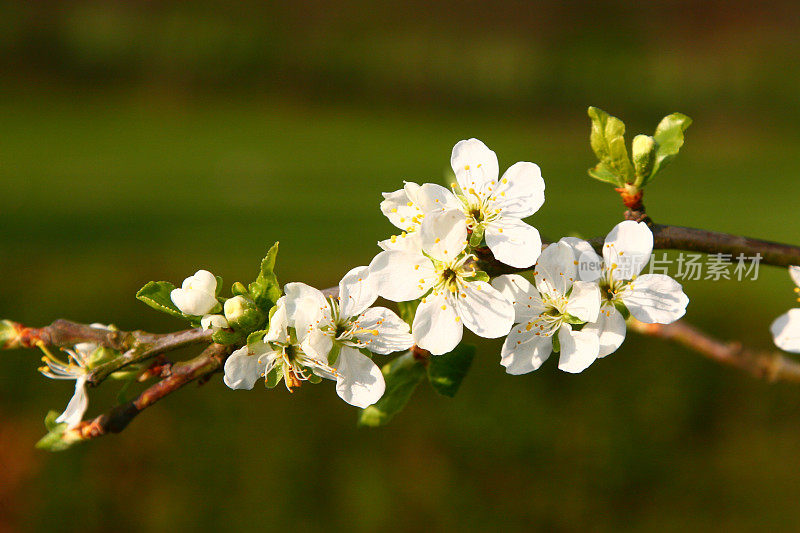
x=772 y=366
x=182 y=373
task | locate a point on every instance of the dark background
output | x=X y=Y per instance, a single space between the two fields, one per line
x=145 y=140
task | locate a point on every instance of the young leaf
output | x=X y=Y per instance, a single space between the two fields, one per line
x=669 y=136
x=446 y=372
x=402 y=376
x=156 y=294
x=265 y=290
x=608 y=143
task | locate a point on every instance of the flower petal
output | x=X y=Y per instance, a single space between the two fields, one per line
x=627 y=249
x=655 y=299
x=513 y=242
x=526 y=348
x=317 y=345
x=402 y=276
x=520 y=192
x=356 y=292
x=786 y=331
x=77 y=405
x=555 y=270
x=522 y=294
x=360 y=381
x=242 y=369
x=444 y=234
x=437 y=328
x=193 y=301
x=584 y=301
x=609 y=328
x=400 y=208
x=214 y=322
x=306 y=308
x=483 y=309
x=590 y=265
x=405 y=242
x=431 y=197
x=794 y=273
x=383 y=331
x=579 y=349
x=475 y=165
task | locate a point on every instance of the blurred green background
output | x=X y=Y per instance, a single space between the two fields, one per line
x=145 y=140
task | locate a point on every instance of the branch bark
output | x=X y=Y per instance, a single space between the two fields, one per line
x=771 y=366
x=181 y=374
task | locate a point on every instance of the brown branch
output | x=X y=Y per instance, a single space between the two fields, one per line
x=772 y=366
x=182 y=373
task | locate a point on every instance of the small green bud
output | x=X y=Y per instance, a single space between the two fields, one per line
x=644 y=155
x=242 y=313
x=239 y=289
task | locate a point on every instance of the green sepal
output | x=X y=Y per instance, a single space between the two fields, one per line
x=408 y=310
x=476 y=238
x=54 y=440
x=446 y=372
x=336 y=349
x=622 y=309
x=313 y=378
x=479 y=275
x=570 y=319
x=669 y=136
x=238 y=289
x=101 y=355
x=256 y=337
x=274 y=377
x=402 y=376
x=218 y=290
x=608 y=143
x=228 y=337
x=556 y=343
x=265 y=290
x=156 y=294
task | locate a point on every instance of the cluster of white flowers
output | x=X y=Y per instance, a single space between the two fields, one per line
x=574 y=302
x=786 y=328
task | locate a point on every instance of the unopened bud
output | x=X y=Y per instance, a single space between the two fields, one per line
x=242 y=313
x=644 y=155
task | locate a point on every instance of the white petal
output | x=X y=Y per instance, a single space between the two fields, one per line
x=317 y=345
x=794 y=273
x=242 y=369
x=405 y=242
x=278 y=323
x=556 y=270
x=306 y=308
x=193 y=301
x=437 y=328
x=356 y=292
x=400 y=208
x=522 y=294
x=526 y=348
x=610 y=329
x=590 y=265
x=203 y=280
x=513 y=242
x=383 y=331
x=402 y=276
x=584 y=301
x=77 y=405
x=579 y=349
x=786 y=331
x=360 y=381
x=444 y=234
x=628 y=246
x=214 y=322
x=520 y=192
x=431 y=197
x=655 y=299
x=475 y=165
x=483 y=309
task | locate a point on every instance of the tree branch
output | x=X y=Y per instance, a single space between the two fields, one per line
x=182 y=373
x=772 y=366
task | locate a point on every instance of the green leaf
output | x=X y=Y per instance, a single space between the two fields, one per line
x=408 y=310
x=608 y=143
x=669 y=136
x=402 y=376
x=265 y=290
x=446 y=372
x=256 y=337
x=228 y=337
x=156 y=294
x=238 y=289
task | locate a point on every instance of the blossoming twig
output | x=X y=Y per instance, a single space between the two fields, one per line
x=772 y=366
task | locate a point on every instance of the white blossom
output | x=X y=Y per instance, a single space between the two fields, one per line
x=650 y=298
x=786 y=328
x=549 y=308
x=214 y=322
x=490 y=205
x=406 y=209
x=452 y=294
x=197 y=295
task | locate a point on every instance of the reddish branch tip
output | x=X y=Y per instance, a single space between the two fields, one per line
x=632 y=198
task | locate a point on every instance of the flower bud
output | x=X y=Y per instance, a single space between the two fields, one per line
x=644 y=155
x=214 y=322
x=242 y=313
